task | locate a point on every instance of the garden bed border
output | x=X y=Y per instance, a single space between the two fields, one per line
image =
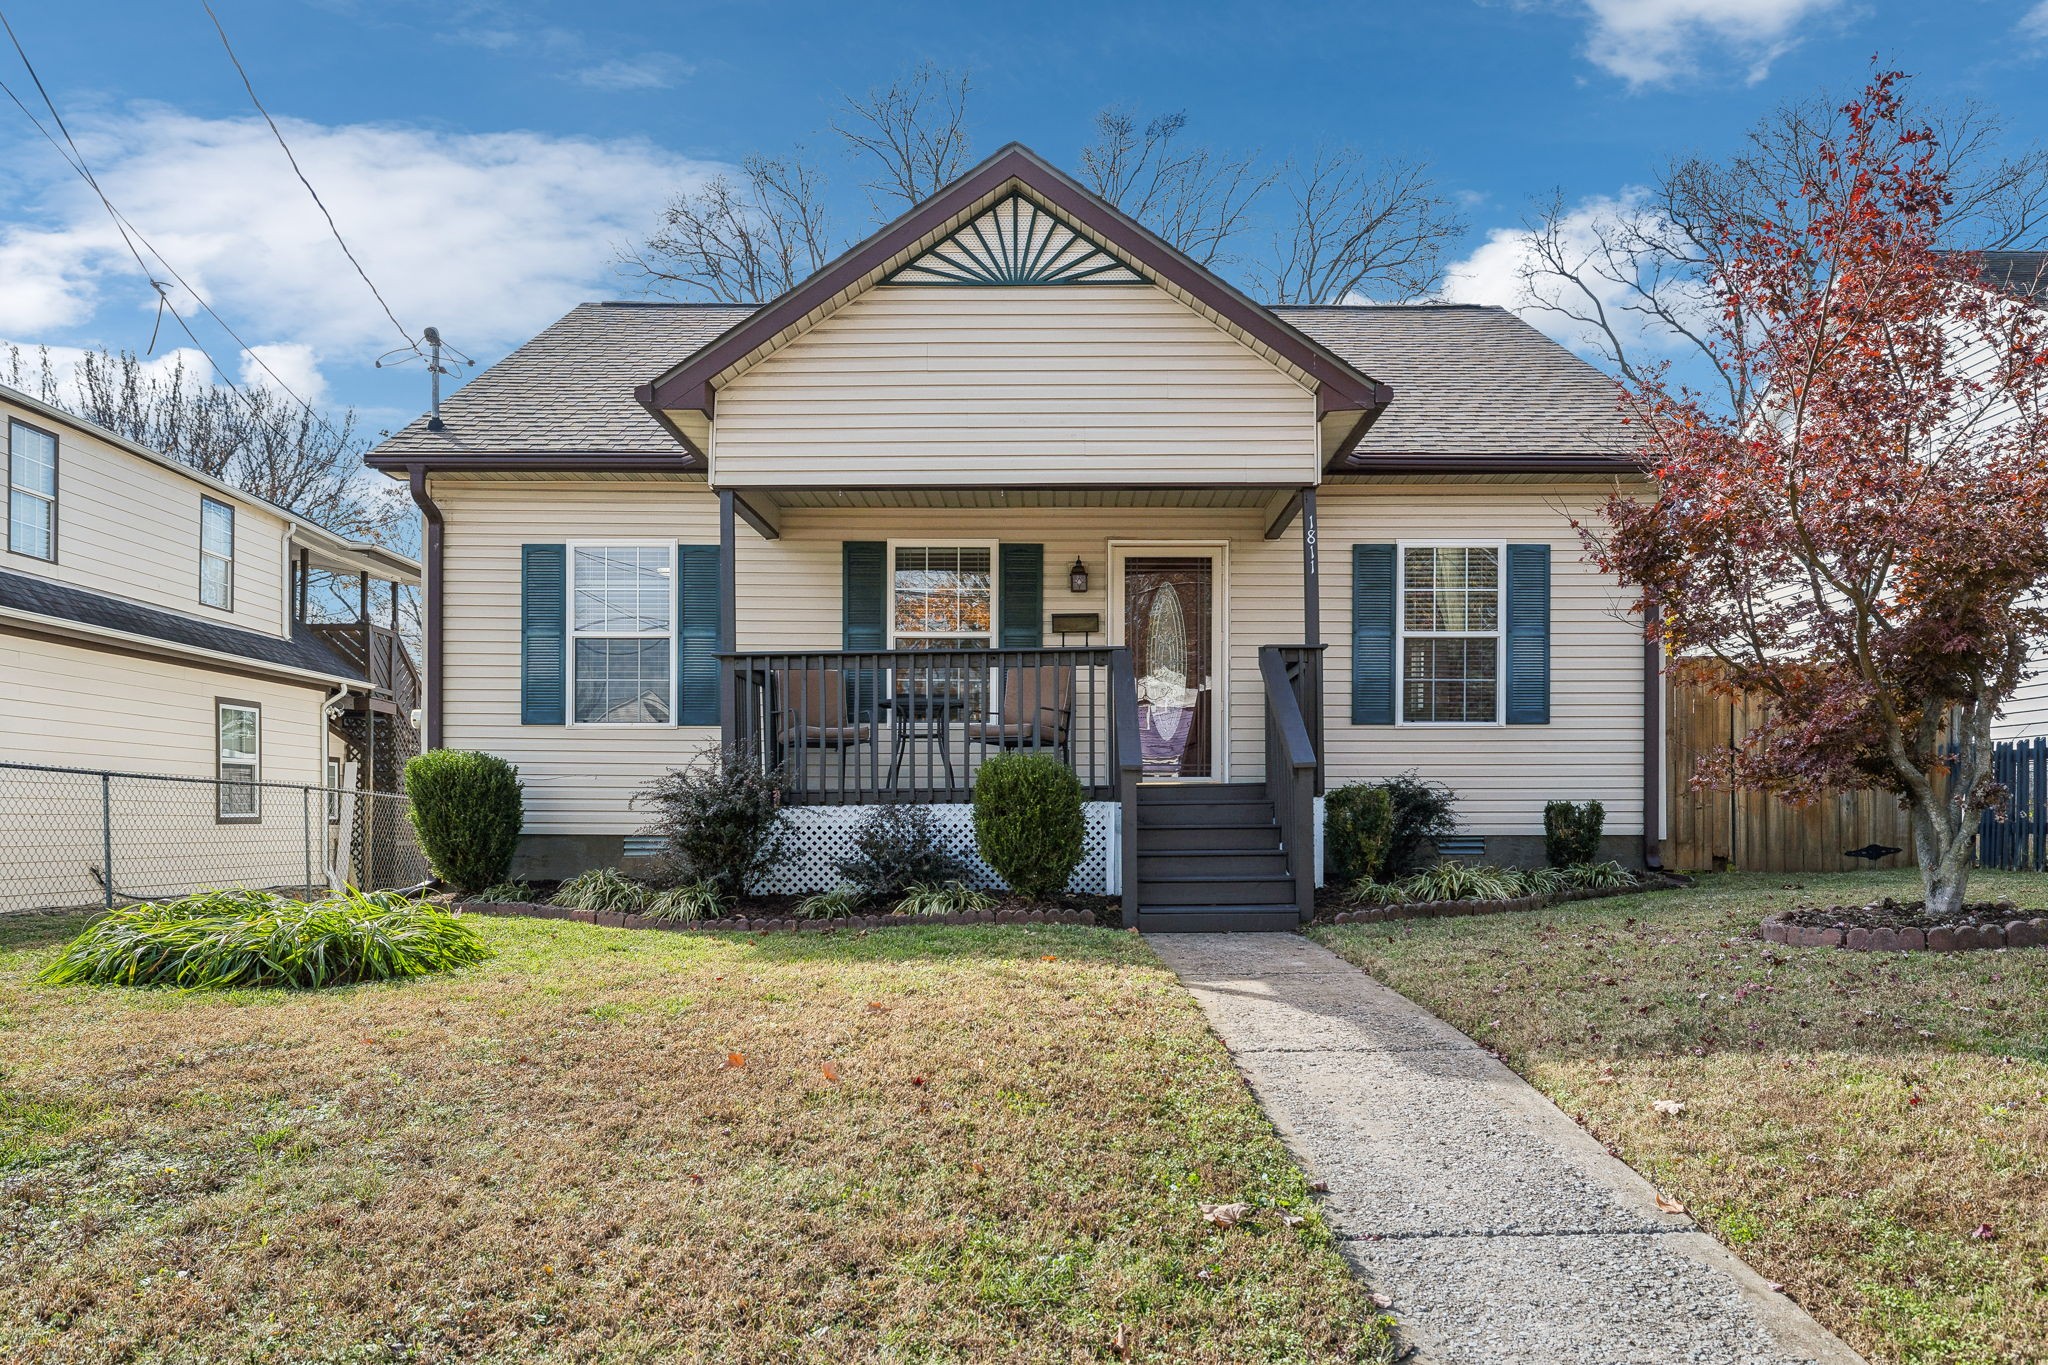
x=1944 y=938
x=742 y=924
x=1379 y=914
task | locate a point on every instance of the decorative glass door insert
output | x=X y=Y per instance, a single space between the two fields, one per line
x=1169 y=624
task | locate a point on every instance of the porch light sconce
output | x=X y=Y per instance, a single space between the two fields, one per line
x=1077 y=577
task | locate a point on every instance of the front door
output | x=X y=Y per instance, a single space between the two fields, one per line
x=1168 y=616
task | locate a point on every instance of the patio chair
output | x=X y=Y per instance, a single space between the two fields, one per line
x=1036 y=710
x=811 y=714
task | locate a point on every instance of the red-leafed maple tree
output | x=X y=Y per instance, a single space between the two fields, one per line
x=1865 y=547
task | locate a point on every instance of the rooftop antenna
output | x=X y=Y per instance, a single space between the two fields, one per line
x=440 y=357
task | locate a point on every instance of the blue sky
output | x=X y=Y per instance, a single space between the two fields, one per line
x=486 y=160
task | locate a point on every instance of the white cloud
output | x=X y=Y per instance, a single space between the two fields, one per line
x=1646 y=42
x=490 y=236
x=1495 y=272
x=649 y=71
x=2034 y=23
x=292 y=366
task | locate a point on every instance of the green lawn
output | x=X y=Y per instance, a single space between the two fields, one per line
x=1852 y=1120
x=551 y=1157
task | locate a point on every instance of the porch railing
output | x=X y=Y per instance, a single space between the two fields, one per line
x=1291 y=676
x=916 y=725
x=386 y=662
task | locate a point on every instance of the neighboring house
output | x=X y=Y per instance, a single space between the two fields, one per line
x=2023 y=274
x=152 y=620
x=1013 y=473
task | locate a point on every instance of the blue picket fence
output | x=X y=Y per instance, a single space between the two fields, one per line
x=2016 y=837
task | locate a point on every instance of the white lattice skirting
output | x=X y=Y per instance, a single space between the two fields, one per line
x=820 y=836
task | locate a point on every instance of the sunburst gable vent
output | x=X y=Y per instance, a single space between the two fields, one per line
x=1016 y=242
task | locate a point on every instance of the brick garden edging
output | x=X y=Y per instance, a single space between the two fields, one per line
x=1380 y=914
x=615 y=919
x=1948 y=938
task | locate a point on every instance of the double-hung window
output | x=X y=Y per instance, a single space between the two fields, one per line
x=216 y=554
x=1450 y=622
x=239 y=728
x=942 y=596
x=31 y=491
x=622 y=601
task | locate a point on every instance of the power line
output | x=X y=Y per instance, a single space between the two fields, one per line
x=75 y=158
x=278 y=133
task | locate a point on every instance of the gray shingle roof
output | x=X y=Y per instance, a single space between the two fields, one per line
x=304 y=650
x=571 y=387
x=2019 y=272
x=1468 y=380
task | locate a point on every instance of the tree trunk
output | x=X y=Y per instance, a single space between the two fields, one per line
x=1944 y=857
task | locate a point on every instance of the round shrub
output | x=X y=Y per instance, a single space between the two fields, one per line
x=1027 y=820
x=225 y=939
x=467 y=811
x=1571 y=832
x=1358 y=828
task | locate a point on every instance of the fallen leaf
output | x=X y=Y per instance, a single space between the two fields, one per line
x=979 y=1169
x=1670 y=1109
x=917 y=1080
x=1047 y=957
x=874 y=1004
x=1293 y=1220
x=1912 y=1101
x=1666 y=1204
x=1382 y=1301
x=1319 y=1186
x=831 y=1072
x=1774 y=1286
x=1984 y=1232
x=735 y=1060
x=696 y=1177
x=1226 y=1215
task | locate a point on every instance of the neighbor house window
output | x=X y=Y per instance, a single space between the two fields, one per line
x=216 y=554
x=240 y=729
x=31 y=491
x=942 y=596
x=333 y=791
x=1450 y=634
x=622 y=600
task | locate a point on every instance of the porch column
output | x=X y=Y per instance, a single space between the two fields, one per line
x=1311 y=592
x=728 y=612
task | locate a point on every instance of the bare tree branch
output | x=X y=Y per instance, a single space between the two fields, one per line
x=741 y=241
x=915 y=131
x=1196 y=198
x=1359 y=227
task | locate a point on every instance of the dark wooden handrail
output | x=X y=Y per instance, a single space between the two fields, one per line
x=1291 y=764
x=1129 y=755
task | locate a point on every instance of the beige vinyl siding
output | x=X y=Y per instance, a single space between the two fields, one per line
x=129 y=528
x=579 y=778
x=1502 y=774
x=1014 y=386
x=69 y=706
x=2026 y=715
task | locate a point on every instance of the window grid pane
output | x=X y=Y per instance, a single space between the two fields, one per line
x=945 y=595
x=1450 y=616
x=239 y=797
x=623 y=591
x=216 y=528
x=30 y=523
x=622 y=682
x=1450 y=679
x=32 y=463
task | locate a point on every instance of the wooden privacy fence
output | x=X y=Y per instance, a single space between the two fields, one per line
x=1752 y=831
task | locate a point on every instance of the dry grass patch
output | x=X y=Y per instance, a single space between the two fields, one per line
x=942 y=1144
x=1869 y=1129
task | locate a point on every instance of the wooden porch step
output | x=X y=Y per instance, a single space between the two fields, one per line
x=1217 y=919
x=1243 y=838
x=1200 y=793
x=1205 y=815
x=1216 y=889
x=1209 y=861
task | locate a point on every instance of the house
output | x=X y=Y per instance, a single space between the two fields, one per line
x=2024 y=275
x=154 y=620
x=1013 y=473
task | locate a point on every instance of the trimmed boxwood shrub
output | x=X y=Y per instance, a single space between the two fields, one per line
x=1358 y=828
x=1424 y=812
x=1028 y=822
x=1571 y=832
x=467 y=810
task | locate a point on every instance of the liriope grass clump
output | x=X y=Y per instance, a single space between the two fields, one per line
x=220 y=940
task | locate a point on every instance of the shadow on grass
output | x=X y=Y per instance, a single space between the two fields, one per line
x=27 y=930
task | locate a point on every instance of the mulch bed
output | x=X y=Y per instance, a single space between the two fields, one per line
x=768 y=914
x=1335 y=906
x=1889 y=925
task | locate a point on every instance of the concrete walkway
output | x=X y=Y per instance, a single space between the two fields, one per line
x=1501 y=1230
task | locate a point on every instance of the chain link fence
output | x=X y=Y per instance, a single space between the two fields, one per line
x=81 y=838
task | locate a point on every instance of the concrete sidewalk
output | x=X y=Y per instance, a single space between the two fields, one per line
x=1501 y=1229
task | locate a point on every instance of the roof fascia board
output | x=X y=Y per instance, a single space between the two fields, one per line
x=690 y=383
x=400 y=462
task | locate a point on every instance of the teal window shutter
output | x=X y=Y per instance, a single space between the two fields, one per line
x=1372 y=635
x=865 y=595
x=864 y=611
x=543 y=634
x=697 y=595
x=1528 y=632
x=1020 y=596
